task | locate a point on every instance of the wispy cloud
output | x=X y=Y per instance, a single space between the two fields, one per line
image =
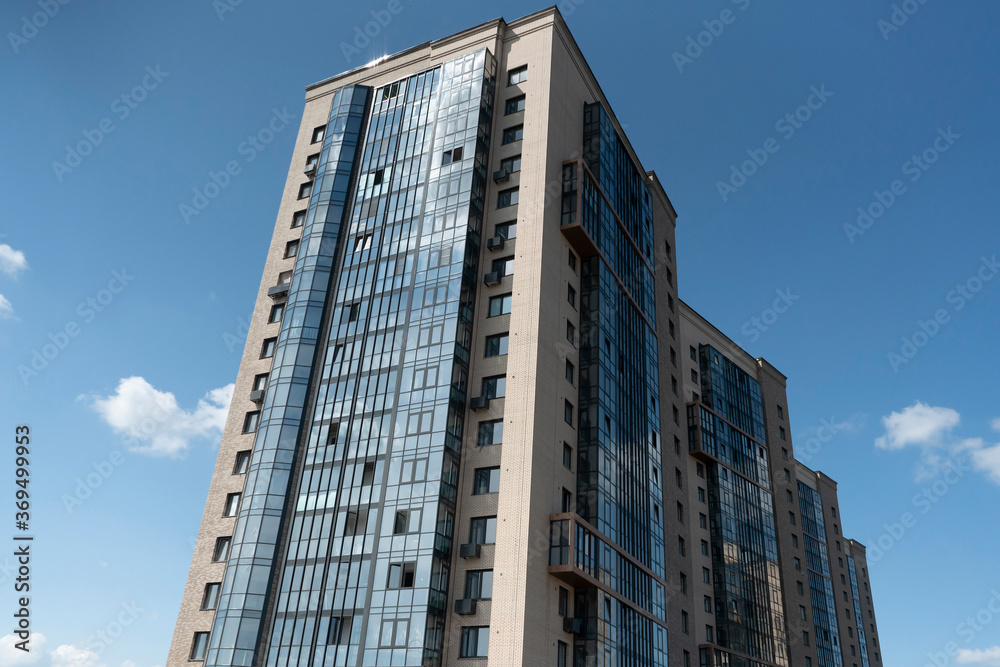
x=73 y=656
x=12 y=262
x=152 y=422
x=996 y=424
x=929 y=429
x=6 y=309
x=989 y=656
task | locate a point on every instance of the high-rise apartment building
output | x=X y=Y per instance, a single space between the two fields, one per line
x=473 y=419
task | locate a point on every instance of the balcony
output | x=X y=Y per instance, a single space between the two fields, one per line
x=465 y=607
x=278 y=291
x=470 y=551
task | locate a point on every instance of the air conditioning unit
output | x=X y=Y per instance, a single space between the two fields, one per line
x=495 y=243
x=310 y=169
x=278 y=291
x=574 y=626
x=479 y=403
x=501 y=176
x=465 y=607
x=492 y=278
x=470 y=550
x=257 y=395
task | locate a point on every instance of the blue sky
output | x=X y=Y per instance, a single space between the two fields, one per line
x=140 y=308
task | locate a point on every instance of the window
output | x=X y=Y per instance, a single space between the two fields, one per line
x=211 y=597
x=495 y=386
x=570 y=331
x=572 y=261
x=798 y=564
x=291 y=249
x=487 y=480
x=232 y=505
x=251 y=421
x=784 y=453
x=700 y=470
x=507 y=197
x=781 y=433
x=513 y=134
x=677 y=416
x=673 y=384
x=499 y=305
x=318 y=134
x=704 y=547
x=490 y=433
x=788 y=495
x=199 y=646
x=570 y=371
x=788 y=475
x=514 y=105
x=684 y=622
x=708 y=604
x=694 y=375
x=798 y=587
x=561 y=653
x=394 y=632
x=475 y=642
x=805 y=638
x=221 y=552
x=353 y=312
x=340 y=630
x=701 y=494
x=242 y=462
x=511 y=165
x=305 y=190
x=507 y=230
x=563 y=602
x=390 y=91
x=479 y=585
x=795 y=540
x=781 y=412
x=517 y=75
x=284 y=277
x=567 y=456
x=267 y=349
x=567 y=501
x=277 y=311
x=454 y=155
x=681 y=547
x=298 y=219
x=571 y=295
x=406 y=521
x=363 y=242
x=355 y=522
x=802 y=612
x=702 y=520
x=791 y=518
x=706 y=575
x=709 y=633
x=483 y=530
x=496 y=345
x=568 y=412
x=260 y=382
x=504 y=266
x=687 y=659
x=694 y=353
x=401 y=575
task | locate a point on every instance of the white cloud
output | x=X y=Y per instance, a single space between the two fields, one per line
x=929 y=428
x=152 y=422
x=989 y=656
x=9 y=655
x=6 y=310
x=920 y=424
x=71 y=656
x=12 y=261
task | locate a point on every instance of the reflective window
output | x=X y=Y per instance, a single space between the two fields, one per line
x=507 y=230
x=514 y=105
x=305 y=190
x=277 y=312
x=475 y=642
x=496 y=345
x=512 y=134
x=487 y=480
x=479 y=585
x=507 y=197
x=211 y=598
x=495 y=386
x=221 y=552
x=483 y=530
x=511 y=165
x=199 y=646
x=291 y=249
x=267 y=349
x=298 y=219
x=242 y=462
x=499 y=305
x=232 y=505
x=401 y=575
x=517 y=75
x=504 y=266
x=251 y=421
x=490 y=433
